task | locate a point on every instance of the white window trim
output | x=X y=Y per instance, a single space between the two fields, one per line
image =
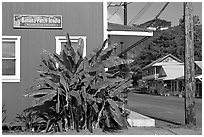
x=60 y=39
x=105 y=22
x=16 y=77
x=130 y=33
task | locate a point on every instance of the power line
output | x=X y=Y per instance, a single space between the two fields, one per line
x=115 y=11
x=116 y=5
x=141 y=12
x=162 y=10
x=147 y=37
x=109 y=4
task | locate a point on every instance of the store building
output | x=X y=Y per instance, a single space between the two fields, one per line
x=30 y=27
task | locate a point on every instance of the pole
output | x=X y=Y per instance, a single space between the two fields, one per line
x=125 y=13
x=189 y=72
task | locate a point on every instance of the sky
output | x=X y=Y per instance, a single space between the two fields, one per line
x=173 y=12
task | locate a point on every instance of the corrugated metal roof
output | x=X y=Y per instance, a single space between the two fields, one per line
x=173 y=72
x=119 y=27
x=161 y=59
x=199 y=63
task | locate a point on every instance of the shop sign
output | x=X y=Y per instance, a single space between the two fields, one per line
x=37 y=21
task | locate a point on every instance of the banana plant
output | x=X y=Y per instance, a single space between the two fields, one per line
x=84 y=95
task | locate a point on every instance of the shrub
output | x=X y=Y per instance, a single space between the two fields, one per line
x=77 y=93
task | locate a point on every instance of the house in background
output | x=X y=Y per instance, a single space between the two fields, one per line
x=198 y=78
x=165 y=69
x=169 y=71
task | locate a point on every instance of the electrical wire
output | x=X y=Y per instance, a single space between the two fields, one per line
x=147 y=37
x=141 y=12
x=109 y=5
x=115 y=11
x=116 y=5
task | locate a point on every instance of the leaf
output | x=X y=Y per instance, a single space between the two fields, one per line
x=121 y=87
x=63 y=81
x=87 y=81
x=35 y=88
x=107 y=52
x=45 y=70
x=40 y=101
x=95 y=106
x=77 y=96
x=86 y=63
x=95 y=55
x=101 y=84
x=80 y=48
x=67 y=61
x=69 y=49
x=60 y=126
x=80 y=67
x=39 y=92
x=58 y=102
x=115 y=61
x=98 y=100
x=79 y=52
x=114 y=106
x=117 y=116
x=51 y=83
x=107 y=118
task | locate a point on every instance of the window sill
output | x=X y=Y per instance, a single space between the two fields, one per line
x=11 y=80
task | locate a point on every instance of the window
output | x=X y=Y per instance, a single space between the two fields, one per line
x=11 y=58
x=61 y=40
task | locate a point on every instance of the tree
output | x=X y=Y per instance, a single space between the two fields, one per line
x=170 y=41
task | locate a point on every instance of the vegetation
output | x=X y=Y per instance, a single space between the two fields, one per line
x=77 y=93
x=170 y=41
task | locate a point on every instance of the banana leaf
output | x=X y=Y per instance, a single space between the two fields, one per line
x=120 y=88
x=35 y=88
x=58 y=101
x=80 y=48
x=45 y=70
x=39 y=92
x=107 y=118
x=69 y=49
x=40 y=101
x=95 y=106
x=115 y=61
x=51 y=83
x=77 y=96
x=107 y=52
x=67 y=61
x=79 y=52
x=117 y=115
x=63 y=81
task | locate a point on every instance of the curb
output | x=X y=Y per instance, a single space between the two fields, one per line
x=138 y=120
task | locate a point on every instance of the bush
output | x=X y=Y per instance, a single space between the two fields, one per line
x=77 y=93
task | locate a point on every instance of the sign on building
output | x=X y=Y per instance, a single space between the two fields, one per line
x=37 y=21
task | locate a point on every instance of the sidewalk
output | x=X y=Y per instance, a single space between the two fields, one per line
x=129 y=131
x=141 y=131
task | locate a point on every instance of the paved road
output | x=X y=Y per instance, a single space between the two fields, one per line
x=161 y=107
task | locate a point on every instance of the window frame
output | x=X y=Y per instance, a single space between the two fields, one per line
x=16 y=77
x=60 y=39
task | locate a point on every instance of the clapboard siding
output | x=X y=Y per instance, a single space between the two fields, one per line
x=78 y=19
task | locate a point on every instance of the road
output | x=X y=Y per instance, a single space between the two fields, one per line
x=170 y=109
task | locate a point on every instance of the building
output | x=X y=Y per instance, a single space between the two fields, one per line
x=30 y=27
x=125 y=36
x=168 y=72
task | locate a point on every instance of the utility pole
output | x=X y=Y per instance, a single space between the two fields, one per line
x=125 y=13
x=189 y=72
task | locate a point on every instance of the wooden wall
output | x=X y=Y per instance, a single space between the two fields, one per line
x=78 y=19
